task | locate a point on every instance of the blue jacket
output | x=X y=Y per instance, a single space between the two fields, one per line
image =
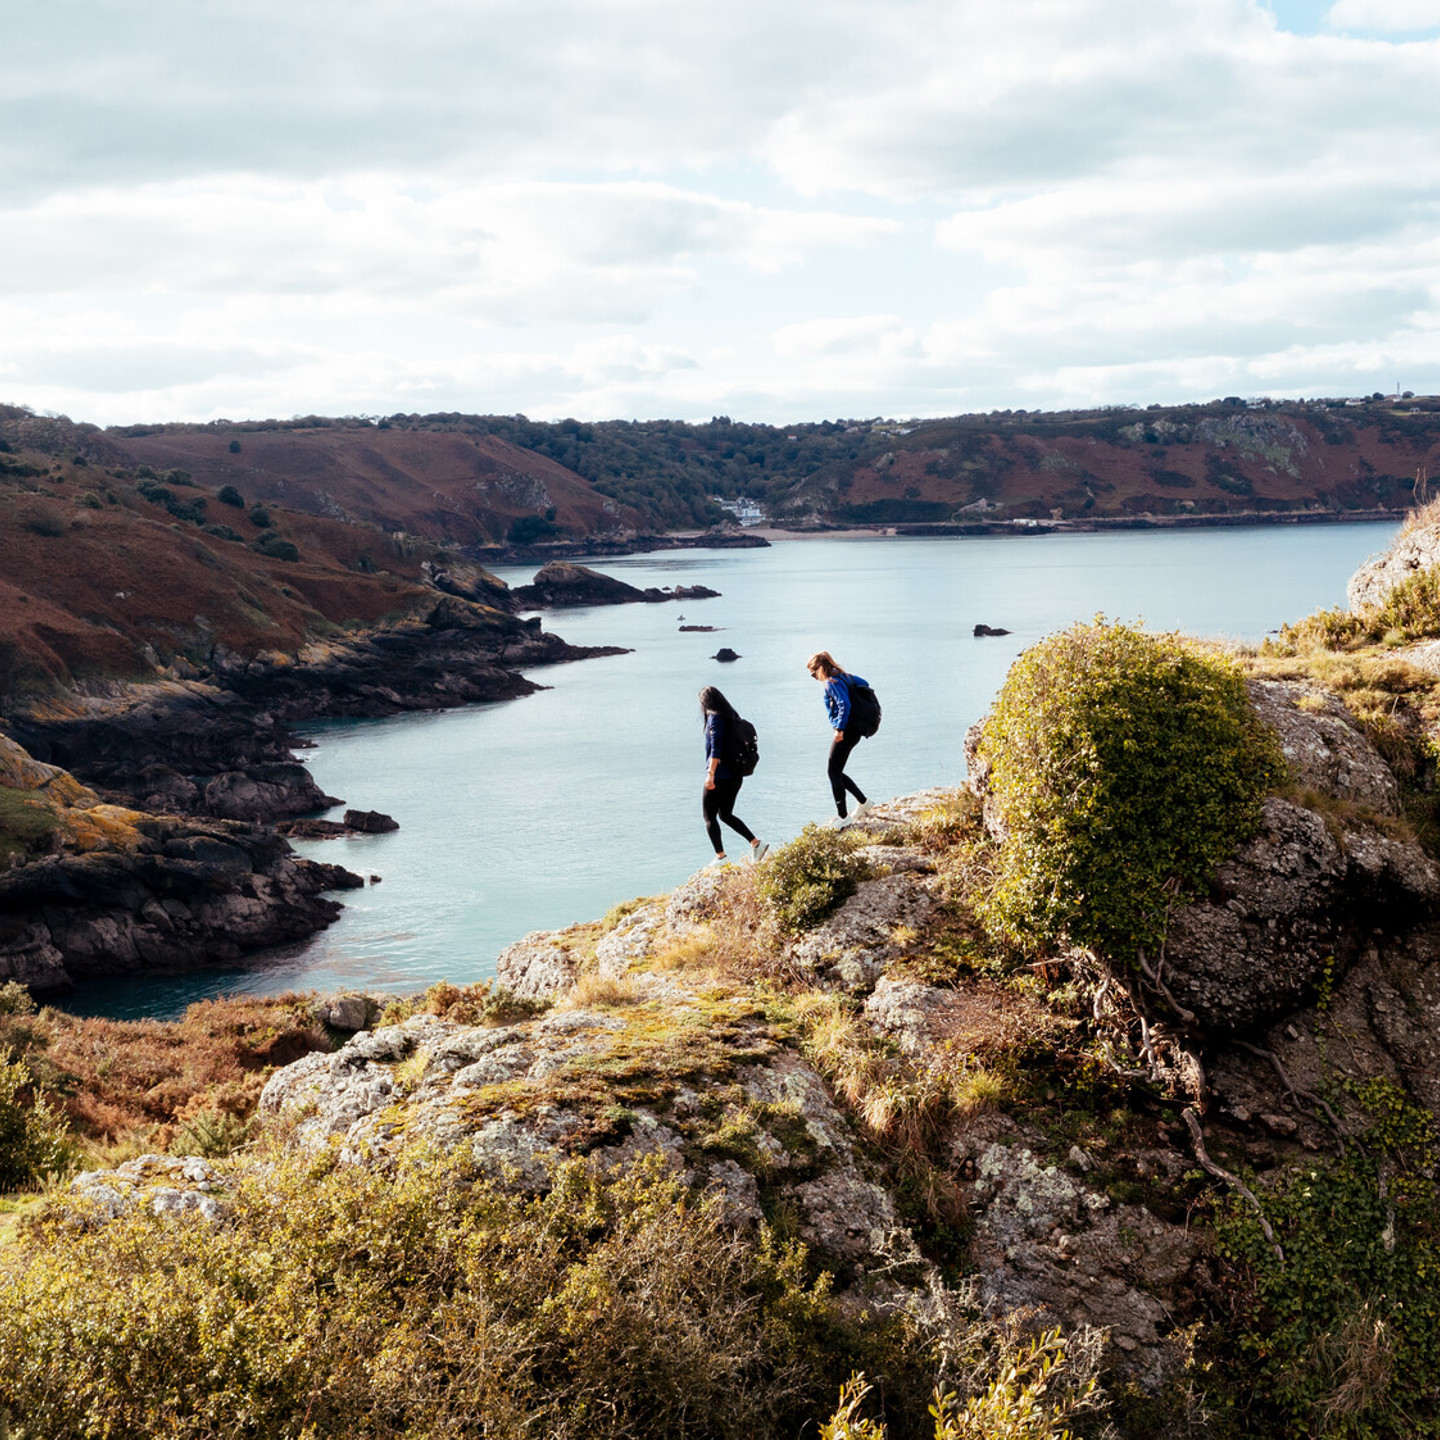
x=837 y=698
x=715 y=743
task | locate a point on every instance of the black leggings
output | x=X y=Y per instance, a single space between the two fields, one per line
x=840 y=782
x=720 y=802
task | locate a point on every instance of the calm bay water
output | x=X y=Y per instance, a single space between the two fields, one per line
x=539 y=812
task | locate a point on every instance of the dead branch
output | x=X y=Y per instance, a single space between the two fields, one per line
x=1197 y=1138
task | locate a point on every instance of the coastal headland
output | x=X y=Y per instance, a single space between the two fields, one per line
x=931 y=1085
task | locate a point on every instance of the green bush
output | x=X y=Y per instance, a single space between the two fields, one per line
x=271 y=545
x=810 y=877
x=1342 y=1337
x=34 y=1139
x=1126 y=768
x=259 y=517
x=223 y=532
x=530 y=528
x=228 y=494
x=338 y=1302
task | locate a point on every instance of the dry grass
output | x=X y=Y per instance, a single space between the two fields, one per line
x=131 y=1084
x=1422 y=517
x=600 y=992
x=1358 y=1356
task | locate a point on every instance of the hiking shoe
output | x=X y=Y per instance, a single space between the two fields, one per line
x=863 y=808
x=758 y=851
x=717 y=862
x=838 y=822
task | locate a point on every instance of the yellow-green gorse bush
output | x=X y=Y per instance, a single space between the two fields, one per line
x=337 y=1302
x=1126 y=767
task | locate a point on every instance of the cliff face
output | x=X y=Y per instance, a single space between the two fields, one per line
x=123 y=892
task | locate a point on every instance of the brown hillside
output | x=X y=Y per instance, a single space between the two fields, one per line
x=455 y=488
x=98 y=581
x=1132 y=465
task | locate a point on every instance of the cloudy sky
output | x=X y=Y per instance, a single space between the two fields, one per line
x=777 y=211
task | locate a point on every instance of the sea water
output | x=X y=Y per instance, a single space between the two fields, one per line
x=535 y=813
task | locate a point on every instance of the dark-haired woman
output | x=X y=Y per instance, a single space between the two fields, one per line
x=825 y=668
x=722 y=785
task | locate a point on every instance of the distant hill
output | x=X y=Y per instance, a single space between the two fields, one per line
x=478 y=481
x=106 y=572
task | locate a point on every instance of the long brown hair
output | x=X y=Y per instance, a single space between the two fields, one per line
x=825 y=663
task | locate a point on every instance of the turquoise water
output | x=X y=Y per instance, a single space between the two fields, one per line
x=535 y=813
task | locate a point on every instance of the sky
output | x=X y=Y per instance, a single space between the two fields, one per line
x=666 y=208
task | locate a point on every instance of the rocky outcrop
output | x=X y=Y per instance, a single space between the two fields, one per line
x=166 y=1184
x=121 y=890
x=184 y=895
x=562 y=583
x=222 y=746
x=714 y=1092
x=1410 y=554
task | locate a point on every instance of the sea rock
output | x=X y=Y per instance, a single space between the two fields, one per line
x=1409 y=554
x=988 y=630
x=370 y=822
x=562 y=582
x=725 y=655
x=184 y=894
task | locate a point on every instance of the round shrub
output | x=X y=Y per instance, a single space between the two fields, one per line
x=271 y=545
x=810 y=877
x=259 y=517
x=229 y=495
x=1126 y=767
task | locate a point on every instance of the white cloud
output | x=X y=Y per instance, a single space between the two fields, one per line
x=1384 y=15
x=664 y=207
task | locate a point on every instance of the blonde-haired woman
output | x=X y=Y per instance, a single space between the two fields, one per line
x=825 y=668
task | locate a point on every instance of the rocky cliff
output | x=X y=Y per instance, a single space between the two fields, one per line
x=107 y=890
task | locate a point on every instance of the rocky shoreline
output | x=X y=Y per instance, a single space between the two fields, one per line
x=203 y=762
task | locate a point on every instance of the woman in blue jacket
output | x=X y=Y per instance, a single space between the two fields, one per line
x=722 y=785
x=823 y=667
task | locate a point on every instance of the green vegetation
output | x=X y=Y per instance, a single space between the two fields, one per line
x=35 y=1140
x=1126 y=767
x=259 y=517
x=527 y=529
x=26 y=825
x=337 y=1302
x=1342 y=1337
x=807 y=879
x=223 y=532
x=228 y=494
x=270 y=544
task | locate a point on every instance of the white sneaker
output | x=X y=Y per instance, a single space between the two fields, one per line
x=863 y=808
x=717 y=862
x=838 y=822
x=758 y=851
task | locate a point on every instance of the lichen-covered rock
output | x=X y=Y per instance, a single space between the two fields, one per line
x=1046 y=1240
x=632 y=939
x=167 y=1184
x=851 y=948
x=1409 y=554
x=700 y=1079
x=1325 y=749
x=537 y=966
x=1291 y=903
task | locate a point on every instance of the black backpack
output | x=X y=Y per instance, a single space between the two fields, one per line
x=864 y=709
x=741 y=747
